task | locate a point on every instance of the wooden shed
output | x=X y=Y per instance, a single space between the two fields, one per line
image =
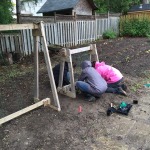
x=68 y=7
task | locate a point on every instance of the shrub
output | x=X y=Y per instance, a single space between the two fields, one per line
x=6 y=8
x=109 y=34
x=135 y=27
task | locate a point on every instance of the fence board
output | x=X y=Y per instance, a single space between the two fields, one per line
x=12 y=43
x=49 y=34
x=25 y=42
x=1 y=45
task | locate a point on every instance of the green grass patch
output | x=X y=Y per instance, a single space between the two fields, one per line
x=13 y=71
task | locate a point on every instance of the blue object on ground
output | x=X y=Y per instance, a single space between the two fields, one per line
x=147 y=85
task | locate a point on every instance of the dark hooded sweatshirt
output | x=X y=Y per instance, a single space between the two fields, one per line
x=56 y=70
x=93 y=78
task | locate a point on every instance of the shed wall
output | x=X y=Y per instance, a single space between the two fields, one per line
x=83 y=8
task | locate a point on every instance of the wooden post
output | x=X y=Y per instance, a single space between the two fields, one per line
x=94 y=14
x=74 y=15
x=18 y=11
x=55 y=17
x=94 y=52
x=76 y=32
x=71 y=72
x=36 y=68
x=49 y=67
x=61 y=74
x=108 y=20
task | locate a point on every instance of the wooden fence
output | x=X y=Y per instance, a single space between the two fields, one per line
x=66 y=33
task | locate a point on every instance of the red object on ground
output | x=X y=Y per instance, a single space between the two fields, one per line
x=79 y=109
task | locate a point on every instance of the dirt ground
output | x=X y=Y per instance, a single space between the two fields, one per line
x=46 y=129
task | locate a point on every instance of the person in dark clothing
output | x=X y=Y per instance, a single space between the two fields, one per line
x=90 y=82
x=66 y=76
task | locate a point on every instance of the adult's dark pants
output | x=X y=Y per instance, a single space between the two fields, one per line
x=113 y=87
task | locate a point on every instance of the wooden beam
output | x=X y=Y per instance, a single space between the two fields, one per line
x=68 y=93
x=36 y=69
x=65 y=90
x=69 y=90
x=71 y=72
x=49 y=67
x=23 y=111
x=94 y=52
x=61 y=74
x=18 y=27
x=79 y=50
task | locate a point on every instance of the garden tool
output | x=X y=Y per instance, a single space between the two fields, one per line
x=111 y=110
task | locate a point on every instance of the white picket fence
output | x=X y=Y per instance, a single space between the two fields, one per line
x=66 y=33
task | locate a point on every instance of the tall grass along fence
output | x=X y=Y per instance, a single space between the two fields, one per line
x=64 y=33
x=135 y=25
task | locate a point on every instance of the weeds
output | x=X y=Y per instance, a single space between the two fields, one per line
x=9 y=72
x=109 y=34
x=136 y=86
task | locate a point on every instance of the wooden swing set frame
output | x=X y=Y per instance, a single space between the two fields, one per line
x=66 y=56
x=37 y=31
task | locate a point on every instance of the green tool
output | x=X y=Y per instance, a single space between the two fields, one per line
x=147 y=85
x=123 y=105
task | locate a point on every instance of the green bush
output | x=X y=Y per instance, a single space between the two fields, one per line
x=135 y=27
x=6 y=8
x=109 y=34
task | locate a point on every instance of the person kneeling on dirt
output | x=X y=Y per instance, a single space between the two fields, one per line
x=112 y=76
x=90 y=82
x=66 y=76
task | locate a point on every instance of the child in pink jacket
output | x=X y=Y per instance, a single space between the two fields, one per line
x=112 y=76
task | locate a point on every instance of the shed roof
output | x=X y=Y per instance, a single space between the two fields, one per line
x=57 y=5
x=142 y=7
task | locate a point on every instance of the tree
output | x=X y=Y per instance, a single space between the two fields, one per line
x=18 y=7
x=102 y=6
x=32 y=1
x=116 y=6
x=122 y=6
x=6 y=8
x=18 y=10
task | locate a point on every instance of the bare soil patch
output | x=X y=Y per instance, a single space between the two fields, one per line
x=45 y=128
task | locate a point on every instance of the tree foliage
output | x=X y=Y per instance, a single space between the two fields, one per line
x=116 y=6
x=34 y=1
x=6 y=7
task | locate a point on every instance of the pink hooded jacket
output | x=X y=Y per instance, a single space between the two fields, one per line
x=109 y=73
